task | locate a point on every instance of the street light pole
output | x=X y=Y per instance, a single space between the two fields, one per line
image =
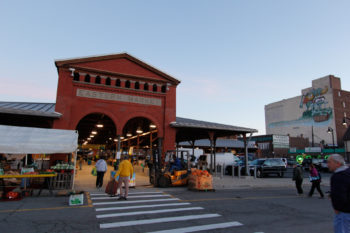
x=346 y=149
x=330 y=130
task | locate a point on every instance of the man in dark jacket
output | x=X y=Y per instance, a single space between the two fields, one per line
x=298 y=178
x=340 y=192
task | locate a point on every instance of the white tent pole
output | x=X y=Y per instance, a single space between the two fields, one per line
x=75 y=163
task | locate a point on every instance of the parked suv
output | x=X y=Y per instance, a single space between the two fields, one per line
x=268 y=166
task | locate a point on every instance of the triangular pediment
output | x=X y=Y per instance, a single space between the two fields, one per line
x=123 y=64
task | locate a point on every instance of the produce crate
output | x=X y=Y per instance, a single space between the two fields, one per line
x=200 y=183
x=62 y=181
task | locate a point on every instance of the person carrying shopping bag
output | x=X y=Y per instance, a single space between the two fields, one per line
x=125 y=172
x=315 y=179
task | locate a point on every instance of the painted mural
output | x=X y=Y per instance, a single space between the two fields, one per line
x=314 y=110
x=316 y=105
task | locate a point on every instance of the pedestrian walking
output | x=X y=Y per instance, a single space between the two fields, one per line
x=298 y=177
x=340 y=193
x=81 y=161
x=315 y=179
x=101 y=168
x=125 y=171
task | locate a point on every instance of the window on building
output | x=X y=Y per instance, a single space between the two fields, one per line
x=127 y=84
x=344 y=114
x=344 y=105
x=76 y=77
x=163 y=88
x=98 y=80
x=137 y=85
x=155 y=88
x=117 y=83
x=339 y=93
x=108 y=81
x=87 y=78
x=145 y=86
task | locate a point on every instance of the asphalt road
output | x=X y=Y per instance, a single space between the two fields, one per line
x=152 y=210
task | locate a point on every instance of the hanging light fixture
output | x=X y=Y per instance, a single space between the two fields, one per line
x=99 y=125
x=121 y=137
x=128 y=134
x=94 y=132
x=115 y=140
x=139 y=130
x=152 y=126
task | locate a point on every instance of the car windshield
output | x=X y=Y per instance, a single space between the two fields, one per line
x=257 y=162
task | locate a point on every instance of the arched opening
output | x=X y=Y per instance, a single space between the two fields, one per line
x=155 y=88
x=97 y=133
x=163 y=90
x=76 y=76
x=137 y=85
x=127 y=84
x=117 y=83
x=98 y=80
x=140 y=136
x=108 y=81
x=87 y=78
x=145 y=86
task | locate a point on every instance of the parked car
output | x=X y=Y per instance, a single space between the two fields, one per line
x=291 y=162
x=268 y=166
x=324 y=166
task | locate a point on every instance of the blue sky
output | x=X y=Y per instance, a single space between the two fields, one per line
x=233 y=57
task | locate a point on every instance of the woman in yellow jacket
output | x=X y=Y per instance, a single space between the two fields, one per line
x=124 y=172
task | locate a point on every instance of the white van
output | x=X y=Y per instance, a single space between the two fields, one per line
x=227 y=159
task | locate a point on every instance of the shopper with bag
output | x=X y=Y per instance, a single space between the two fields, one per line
x=315 y=179
x=124 y=172
x=101 y=168
x=340 y=190
x=298 y=178
x=111 y=188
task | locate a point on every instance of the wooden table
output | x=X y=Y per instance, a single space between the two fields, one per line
x=46 y=176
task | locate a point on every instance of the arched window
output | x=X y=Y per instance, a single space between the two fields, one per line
x=145 y=86
x=137 y=85
x=117 y=83
x=155 y=88
x=98 y=80
x=108 y=81
x=76 y=77
x=127 y=84
x=163 y=88
x=87 y=78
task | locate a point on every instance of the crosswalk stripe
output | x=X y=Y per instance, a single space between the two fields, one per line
x=157 y=220
x=131 y=202
x=141 y=196
x=133 y=193
x=142 y=206
x=201 y=228
x=148 y=212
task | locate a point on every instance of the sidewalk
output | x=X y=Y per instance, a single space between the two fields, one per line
x=85 y=181
x=229 y=182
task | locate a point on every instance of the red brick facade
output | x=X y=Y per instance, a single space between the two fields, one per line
x=77 y=98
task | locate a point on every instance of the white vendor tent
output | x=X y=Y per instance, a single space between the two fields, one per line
x=28 y=140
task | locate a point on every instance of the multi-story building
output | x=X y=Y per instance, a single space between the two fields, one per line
x=316 y=114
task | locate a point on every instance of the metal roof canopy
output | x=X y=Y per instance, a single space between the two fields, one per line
x=191 y=130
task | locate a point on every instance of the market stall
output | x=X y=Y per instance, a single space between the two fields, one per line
x=17 y=143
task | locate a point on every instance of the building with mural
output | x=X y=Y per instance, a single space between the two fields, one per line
x=316 y=114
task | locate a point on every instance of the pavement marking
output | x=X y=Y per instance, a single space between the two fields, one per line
x=131 y=202
x=142 y=206
x=49 y=208
x=130 y=197
x=201 y=228
x=133 y=193
x=88 y=198
x=157 y=220
x=148 y=212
